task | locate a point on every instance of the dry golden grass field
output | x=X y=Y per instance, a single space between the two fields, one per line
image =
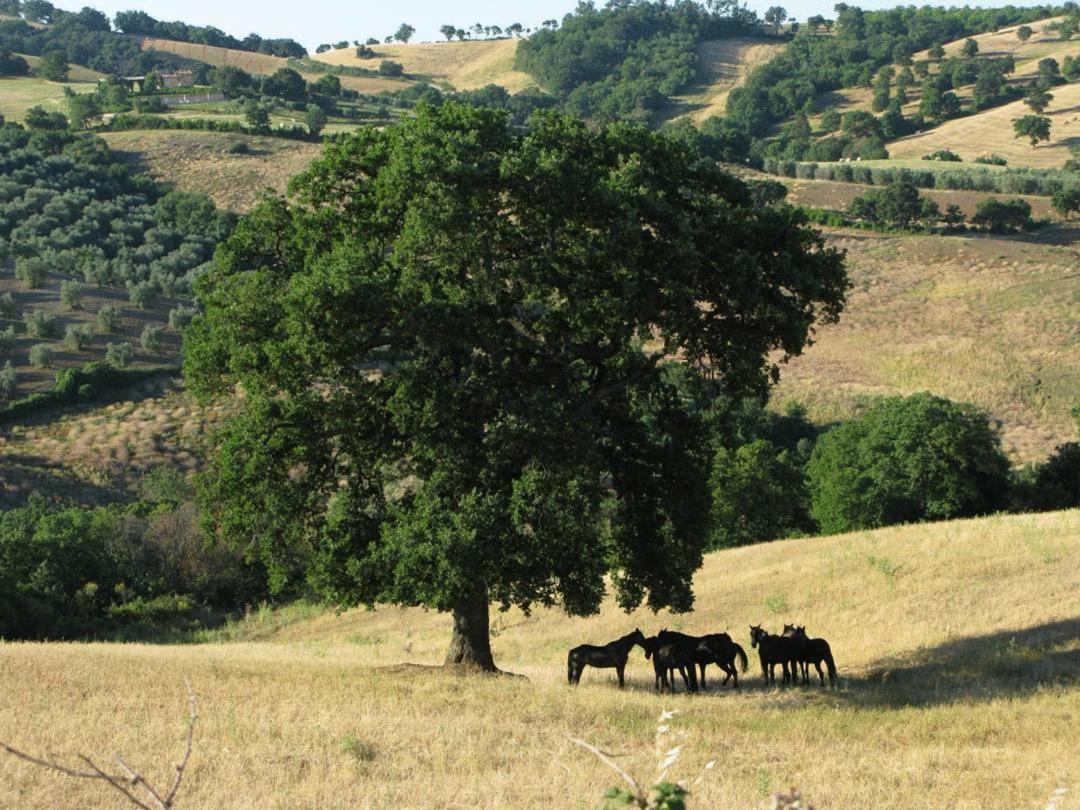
x=1042 y=44
x=463 y=65
x=260 y=64
x=723 y=65
x=991 y=131
x=976 y=318
x=198 y=161
x=958 y=647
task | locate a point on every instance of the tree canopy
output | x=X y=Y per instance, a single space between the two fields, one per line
x=442 y=342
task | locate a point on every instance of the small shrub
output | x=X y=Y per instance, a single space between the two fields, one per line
x=180 y=317
x=238 y=148
x=943 y=154
x=78 y=336
x=992 y=160
x=8 y=308
x=141 y=293
x=42 y=355
x=119 y=355
x=71 y=293
x=31 y=271
x=388 y=68
x=9 y=381
x=7 y=341
x=151 y=339
x=40 y=324
x=108 y=319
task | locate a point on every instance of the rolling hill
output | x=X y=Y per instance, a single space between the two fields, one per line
x=260 y=64
x=200 y=161
x=464 y=65
x=958 y=647
x=1042 y=44
x=991 y=131
x=974 y=318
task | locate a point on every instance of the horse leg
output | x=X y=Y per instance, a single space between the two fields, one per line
x=619 y=668
x=702 y=667
x=821 y=675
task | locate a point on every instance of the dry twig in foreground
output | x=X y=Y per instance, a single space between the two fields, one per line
x=153 y=800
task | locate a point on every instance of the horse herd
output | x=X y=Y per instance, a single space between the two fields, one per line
x=793 y=651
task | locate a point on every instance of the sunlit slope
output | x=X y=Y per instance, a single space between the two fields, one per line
x=260 y=64
x=958 y=646
x=1043 y=43
x=991 y=131
x=464 y=65
x=974 y=318
x=723 y=65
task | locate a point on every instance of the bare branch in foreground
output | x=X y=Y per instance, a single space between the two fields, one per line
x=610 y=763
x=134 y=778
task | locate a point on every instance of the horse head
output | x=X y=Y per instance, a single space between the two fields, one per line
x=650 y=646
x=790 y=631
x=638 y=637
x=800 y=632
x=755 y=633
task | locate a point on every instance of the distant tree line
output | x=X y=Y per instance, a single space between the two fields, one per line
x=140 y=23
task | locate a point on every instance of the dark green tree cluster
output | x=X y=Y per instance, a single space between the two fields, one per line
x=449 y=399
x=624 y=60
x=66 y=204
x=898 y=205
x=139 y=23
x=907 y=460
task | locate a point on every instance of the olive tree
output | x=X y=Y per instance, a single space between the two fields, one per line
x=447 y=340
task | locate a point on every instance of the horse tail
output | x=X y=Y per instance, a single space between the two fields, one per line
x=570 y=667
x=741 y=653
x=830 y=664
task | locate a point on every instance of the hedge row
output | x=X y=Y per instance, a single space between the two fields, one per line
x=74 y=386
x=126 y=121
x=1039 y=182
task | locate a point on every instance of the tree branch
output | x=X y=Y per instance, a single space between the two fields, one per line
x=592 y=749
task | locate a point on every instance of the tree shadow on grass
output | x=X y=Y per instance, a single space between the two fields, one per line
x=979 y=668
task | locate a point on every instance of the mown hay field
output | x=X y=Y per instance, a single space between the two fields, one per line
x=975 y=318
x=958 y=646
x=17 y=95
x=991 y=131
x=464 y=65
x=1043 y=43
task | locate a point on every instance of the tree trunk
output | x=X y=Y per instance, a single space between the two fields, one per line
x=471 y=643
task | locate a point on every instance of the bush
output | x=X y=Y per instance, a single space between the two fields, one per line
x=71 y=293
x=907 y=459
x=8 y=308
x=758 y=494
x=943 y=154
x=31 y=271
x=142 y=293
x=78 y=337
x=7 y=341
x=1000 y=216
x=40 y=324
x=180 y=317
x=1054 y=484
x=108 y=319
x=41 y=355
x=151 y=339
x=238 y=148
x=9 y=381
x=119 y=355
x=992 y=160
x=388 y=68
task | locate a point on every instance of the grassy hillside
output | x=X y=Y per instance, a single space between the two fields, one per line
x=991 y=131
x=976 y=318
x=199 y=161
x=958 y=647
x=1042 y=44
x=19 y=95
x=723 y=65
x=463 y=65
x=260 y=64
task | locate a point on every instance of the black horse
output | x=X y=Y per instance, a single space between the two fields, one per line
x=773 y=650
x=613 y=654
x=668 y=657
x=715 y=648
x=812 y=651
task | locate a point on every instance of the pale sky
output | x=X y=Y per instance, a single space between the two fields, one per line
x=314 y=21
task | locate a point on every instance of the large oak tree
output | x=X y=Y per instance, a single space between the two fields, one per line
x=447 y=341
